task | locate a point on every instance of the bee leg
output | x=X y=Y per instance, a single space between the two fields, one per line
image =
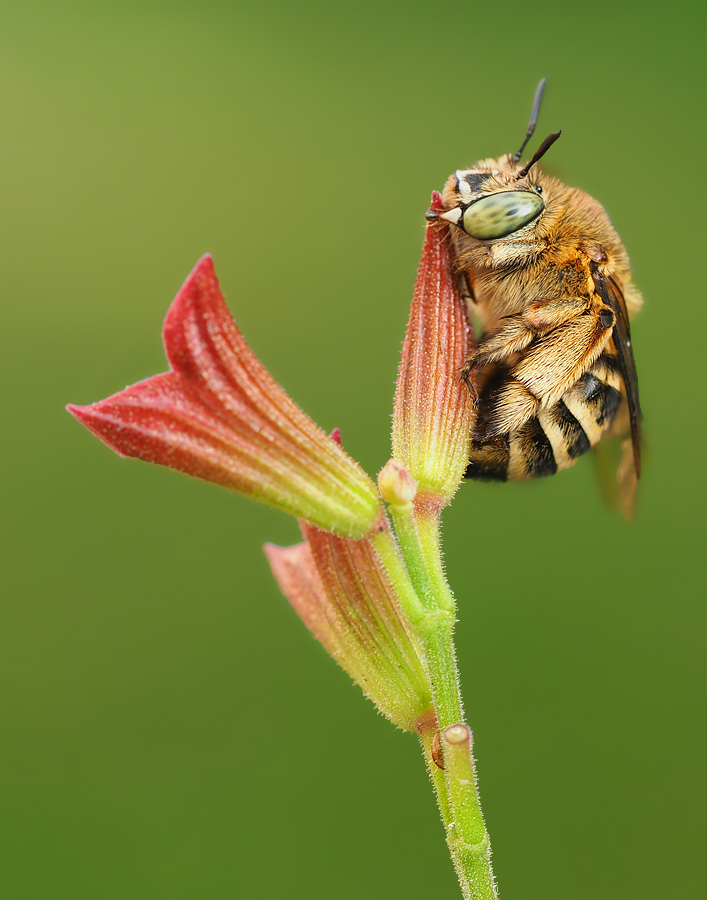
x=548 y=314
x=515 y=335
x=558 y=359
x=466 y=378
x=518 y=331
x=507 y=408
x=567 y=337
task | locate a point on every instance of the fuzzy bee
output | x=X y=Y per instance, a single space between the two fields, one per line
x=548 y=288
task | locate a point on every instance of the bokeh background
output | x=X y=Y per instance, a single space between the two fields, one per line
x=169 y=729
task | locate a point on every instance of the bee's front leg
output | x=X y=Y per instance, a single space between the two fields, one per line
x=518 y=331
x=563 y=347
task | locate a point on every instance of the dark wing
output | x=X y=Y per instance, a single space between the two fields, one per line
x=611 y=294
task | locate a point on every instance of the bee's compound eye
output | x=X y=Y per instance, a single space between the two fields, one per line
x=501 y=214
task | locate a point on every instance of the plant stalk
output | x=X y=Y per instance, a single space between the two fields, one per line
x=457 y=794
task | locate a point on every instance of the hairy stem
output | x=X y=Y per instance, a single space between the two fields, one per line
x=419 y=560
x=457 y=794
x=428 y=736
x=467 y=837
x=427 y=527
x=399 y=577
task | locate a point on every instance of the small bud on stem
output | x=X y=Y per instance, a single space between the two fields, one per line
x=396 y=485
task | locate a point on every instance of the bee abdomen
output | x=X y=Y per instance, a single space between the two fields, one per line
x=595 y=399
x=489 y=462
x=555 y=438
x=531 y=452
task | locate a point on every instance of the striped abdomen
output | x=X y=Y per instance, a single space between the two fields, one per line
x=557 y=436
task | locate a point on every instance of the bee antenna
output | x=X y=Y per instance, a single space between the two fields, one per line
x=541 y=151
x=535 y=109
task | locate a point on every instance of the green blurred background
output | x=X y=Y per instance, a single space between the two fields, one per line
x=169 y=729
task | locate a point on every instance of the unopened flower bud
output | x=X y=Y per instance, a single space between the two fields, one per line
x=341 y=592
x=396 y=484
x=433 y=407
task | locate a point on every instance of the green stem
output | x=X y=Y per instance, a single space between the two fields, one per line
x=437 y=776
x=467 y=837
x=416 y=560
x=423 y=576
x=427 y=527
x=398 y=574
x=435 y=635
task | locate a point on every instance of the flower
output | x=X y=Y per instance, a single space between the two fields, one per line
x=342 y=593
x=219 y=415
x=368 y=582
x=433 y=408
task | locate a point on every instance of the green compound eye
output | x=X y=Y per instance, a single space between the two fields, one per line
x=501 y=214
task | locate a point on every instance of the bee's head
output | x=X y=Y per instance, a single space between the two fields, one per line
x=498 y=198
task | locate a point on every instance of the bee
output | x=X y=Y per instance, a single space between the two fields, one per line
x=547 y=283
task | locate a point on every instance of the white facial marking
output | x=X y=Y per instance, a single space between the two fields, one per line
x=452 y=215
x=463 y=185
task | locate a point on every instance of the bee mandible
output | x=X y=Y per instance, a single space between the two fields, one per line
x=547 y=283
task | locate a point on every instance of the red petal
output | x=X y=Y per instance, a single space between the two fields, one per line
x=298 y=579
x=219 y=415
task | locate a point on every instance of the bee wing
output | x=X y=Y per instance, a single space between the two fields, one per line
x=616 y=473
x=610 y=292
x=605 y=456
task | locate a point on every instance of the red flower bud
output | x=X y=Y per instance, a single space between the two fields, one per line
x=342 y=594
x=433 y=407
